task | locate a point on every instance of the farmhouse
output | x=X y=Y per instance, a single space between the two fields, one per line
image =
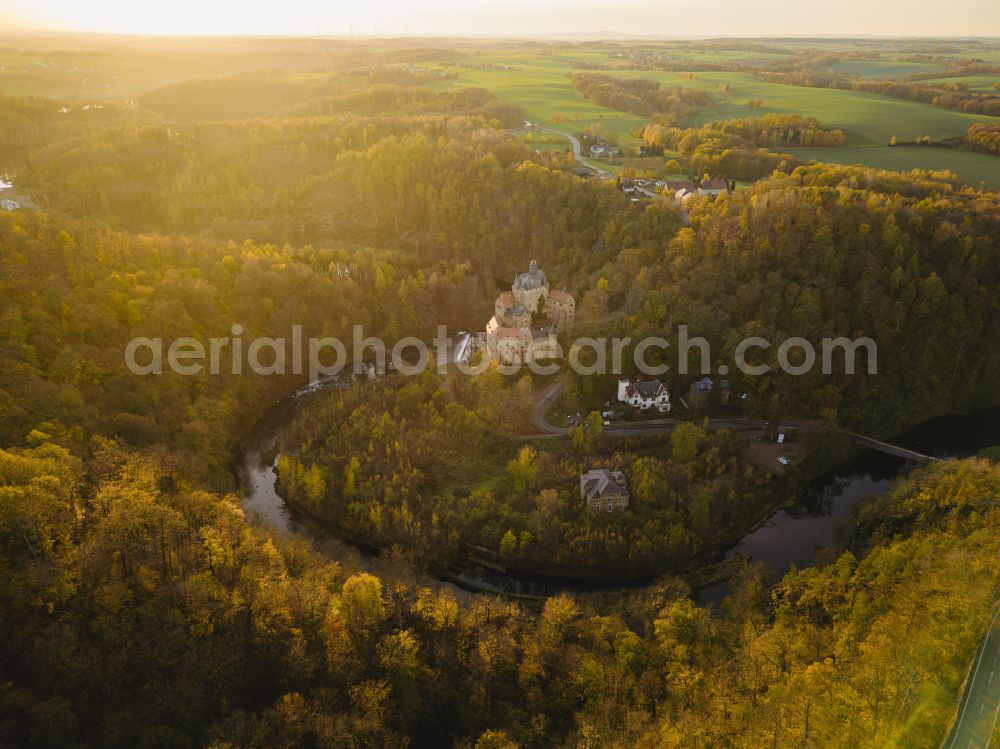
x=713 y=187
x=676 y=185
x=683 y=195
x=644 y=395
x=604 y=490
x=604 y=149
x=701 y=390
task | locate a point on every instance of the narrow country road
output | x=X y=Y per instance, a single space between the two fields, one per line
x=602 y=173
x=977 y=717
x=540 y=407
x=548 y=395
x=577 y=152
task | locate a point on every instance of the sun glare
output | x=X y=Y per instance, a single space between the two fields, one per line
x=669 y=18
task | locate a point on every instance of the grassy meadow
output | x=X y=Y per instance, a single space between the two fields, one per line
x=538 y=80
x=983 y=83
x=974 y=168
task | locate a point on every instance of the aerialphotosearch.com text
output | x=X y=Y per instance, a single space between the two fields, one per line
x=652 y=355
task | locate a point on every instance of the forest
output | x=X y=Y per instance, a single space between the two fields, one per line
x=640 y=96
x=428 y=467
x=984 y=138
x=145 y=606
x=739 y=149
x=141 y=611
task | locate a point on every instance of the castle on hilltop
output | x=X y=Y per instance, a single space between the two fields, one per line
x=527 y=318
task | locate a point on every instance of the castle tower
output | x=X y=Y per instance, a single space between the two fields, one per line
x=531 y=288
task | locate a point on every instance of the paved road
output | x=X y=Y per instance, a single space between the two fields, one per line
x=604 y=174
x=977 y=717
x=646 y=427
x=542 y=402
x=577 y=152
x=547 y=396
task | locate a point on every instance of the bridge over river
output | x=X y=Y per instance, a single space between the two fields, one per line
x=889 y=449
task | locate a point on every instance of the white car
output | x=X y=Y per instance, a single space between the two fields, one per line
x=784 y=460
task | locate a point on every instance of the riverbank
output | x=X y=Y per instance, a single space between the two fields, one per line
x=486 y=570
x=792 y=498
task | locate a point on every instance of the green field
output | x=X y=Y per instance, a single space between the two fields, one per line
x=878 y=69
x=536 y=77
x=866 y=119
x=539 y=83
x=982 y=83
x=972 y=167
x=990 y=57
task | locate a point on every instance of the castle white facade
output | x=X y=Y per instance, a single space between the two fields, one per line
x=527 y=318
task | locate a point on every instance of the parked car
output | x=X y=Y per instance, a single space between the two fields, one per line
x=784 y=460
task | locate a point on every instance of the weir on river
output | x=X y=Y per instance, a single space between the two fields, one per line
x=888 y=449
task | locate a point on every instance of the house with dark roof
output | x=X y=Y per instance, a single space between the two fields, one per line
x=644 y=394
x=676 y=185
x=701 y=390
x=604 y=490
x=713 y=187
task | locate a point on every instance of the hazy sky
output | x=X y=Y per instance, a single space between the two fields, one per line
x=511 y=17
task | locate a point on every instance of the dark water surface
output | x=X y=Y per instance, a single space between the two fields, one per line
x=791 y=536
x=795 y=536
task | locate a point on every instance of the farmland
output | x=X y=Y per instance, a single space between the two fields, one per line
x=538 y=80
x=973 y=167
x=536 y=76
x=984 y=83
x=877 y=69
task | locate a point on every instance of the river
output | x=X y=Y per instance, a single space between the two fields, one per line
x=256 y=462
x=792 y=536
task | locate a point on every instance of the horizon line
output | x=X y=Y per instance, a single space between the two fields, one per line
x=580 y=36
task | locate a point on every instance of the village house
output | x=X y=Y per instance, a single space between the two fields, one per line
x=700 y=390
x=703 y=389
x=683 y=189
x=713 y=187
x=683 y=195
x=604 y=490
x=604 y=149
x=644 y=395
x=676 y=185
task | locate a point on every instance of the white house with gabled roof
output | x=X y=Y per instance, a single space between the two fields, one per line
x=644 y=394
